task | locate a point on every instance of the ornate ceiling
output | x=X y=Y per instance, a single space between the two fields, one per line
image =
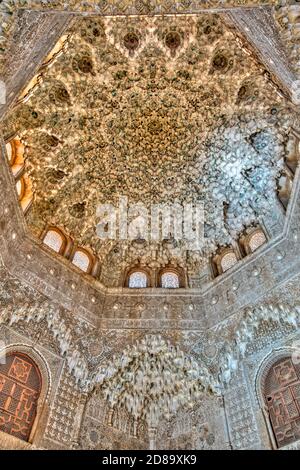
x=161 y=110
x=158 y=110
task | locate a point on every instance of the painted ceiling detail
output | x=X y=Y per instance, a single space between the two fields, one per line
x=160 y=111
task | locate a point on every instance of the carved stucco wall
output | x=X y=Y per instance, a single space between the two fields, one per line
x=79 y=418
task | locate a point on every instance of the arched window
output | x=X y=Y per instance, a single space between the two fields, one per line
x=55 y=240
x=15 y=150
x=256 y=240
x=24 y=191
x=82 y=260
x=20 y=387
x=228 y=260
x=169 y=280
x=282 y=397
x=284 y=187
x=292 y=153
x=20 y=185
x=9 y=151
x=138 y=279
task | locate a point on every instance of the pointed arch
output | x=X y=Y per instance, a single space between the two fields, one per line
x=277 y=385
x=24 y=390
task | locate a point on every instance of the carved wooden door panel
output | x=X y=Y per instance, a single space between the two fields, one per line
x=282 y=393
x=20 y=386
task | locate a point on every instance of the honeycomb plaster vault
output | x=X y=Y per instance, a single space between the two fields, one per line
x=79 y=330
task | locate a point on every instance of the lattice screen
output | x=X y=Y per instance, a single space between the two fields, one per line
x=20 y=386
x=282 y=395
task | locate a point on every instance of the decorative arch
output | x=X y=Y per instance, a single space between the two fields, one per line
x=138 y=277
x=224 y=260
x=55 y=239
x=179 y=382
x=252 y=240
x=277 y=386
x=59 y=329
x=264 y=367
x=83 y=260
x=20 y=187
x=228 y=260
x=169 y=280
x=25 y=386
x=256 y=240
x=246 y=333
x=15 y=150
x=171 y=277
x=24 y=191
